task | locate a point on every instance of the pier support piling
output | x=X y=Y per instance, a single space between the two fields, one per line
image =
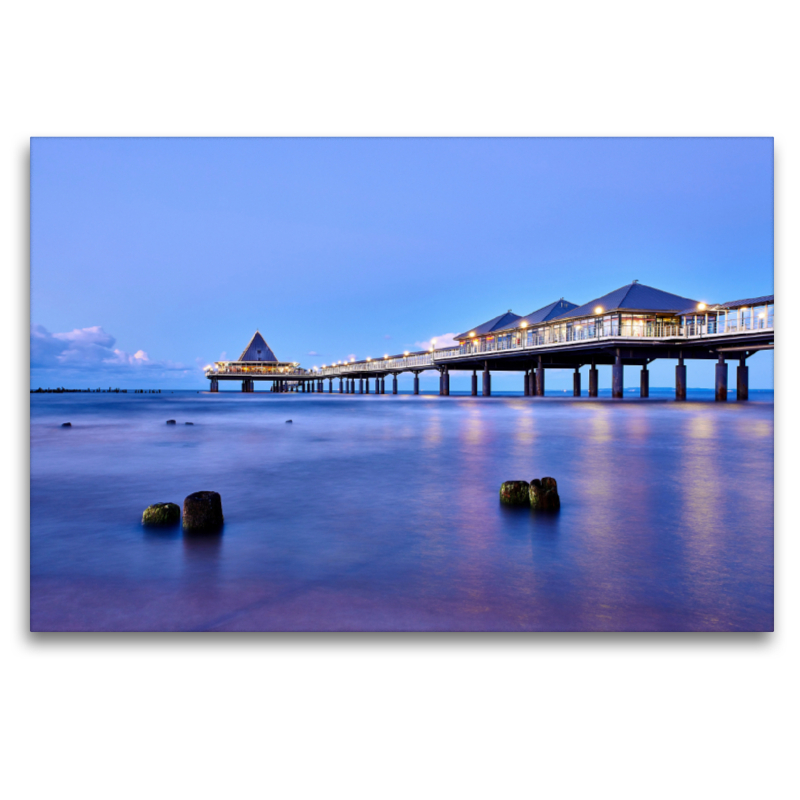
x=593 y=381
x=540 y=379
x=742 y=382
x=416 y=383
x=474 y=383
x=214 y=385
x=487 y=381
x=446 y=382
x=394 y=383
x=576 y=382
x=526 y=386
x=617 y=377
x=721 y=382
x=644 y=382
x=680 y=380
x=361 y=386
x=341 y=386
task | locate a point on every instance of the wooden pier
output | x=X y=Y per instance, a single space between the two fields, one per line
x=632 y=326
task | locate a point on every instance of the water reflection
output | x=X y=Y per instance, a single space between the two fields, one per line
x=385 y=515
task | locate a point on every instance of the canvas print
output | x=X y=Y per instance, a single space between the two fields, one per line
x=412 y=384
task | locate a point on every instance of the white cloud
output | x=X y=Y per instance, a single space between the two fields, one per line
x=444 y=340
x=87 y=348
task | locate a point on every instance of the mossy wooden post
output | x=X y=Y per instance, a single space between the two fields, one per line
x=515 y=493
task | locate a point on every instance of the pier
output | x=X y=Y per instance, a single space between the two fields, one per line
x=629 y=327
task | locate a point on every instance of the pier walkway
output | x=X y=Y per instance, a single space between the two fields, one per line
x=632 y=326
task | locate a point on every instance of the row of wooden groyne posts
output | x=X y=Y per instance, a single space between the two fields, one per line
x=632 y=326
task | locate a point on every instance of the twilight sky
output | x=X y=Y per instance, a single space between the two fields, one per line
x=153 y=257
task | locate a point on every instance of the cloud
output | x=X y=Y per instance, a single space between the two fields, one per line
x=443 y=340
x=387 y=336
x=313 y=353
x=87 y=349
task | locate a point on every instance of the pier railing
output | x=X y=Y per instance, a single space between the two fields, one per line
x=710 y=325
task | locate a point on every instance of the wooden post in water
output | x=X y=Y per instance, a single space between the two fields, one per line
x=474 y=383
x=644 y=382
x=576 y=383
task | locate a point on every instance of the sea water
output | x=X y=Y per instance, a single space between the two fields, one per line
x=382 y=513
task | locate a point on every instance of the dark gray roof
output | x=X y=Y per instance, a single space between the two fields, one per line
x=548 y=312
x=751 y=301
x=498 y=323
x=634 y=296
x=257 y=350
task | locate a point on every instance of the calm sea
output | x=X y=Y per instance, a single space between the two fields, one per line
x=382 y=513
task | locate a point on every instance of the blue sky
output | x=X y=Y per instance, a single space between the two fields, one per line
x=153 y=257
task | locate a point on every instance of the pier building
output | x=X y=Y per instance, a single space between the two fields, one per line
x=629 y=327
x=257 y=362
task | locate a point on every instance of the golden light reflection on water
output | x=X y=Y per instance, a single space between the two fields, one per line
x=600 y=426
x=701 y=426
x=525 y=432
x=761 y=428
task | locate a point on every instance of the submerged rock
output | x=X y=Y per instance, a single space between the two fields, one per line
x=515 y=493
x=202 y=511
x=162 y=514
x=171 y=422
x=544 y=494
x=288 y=421
x=66 y=424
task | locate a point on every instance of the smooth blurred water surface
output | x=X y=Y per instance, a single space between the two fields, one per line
x=382 y=513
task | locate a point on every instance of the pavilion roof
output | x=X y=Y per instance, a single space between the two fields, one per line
x=500 y=322
x=751 y=301
x=633 y=297
x=257 y=350
x=544 y=314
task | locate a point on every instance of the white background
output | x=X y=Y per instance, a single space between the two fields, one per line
x=395 y=716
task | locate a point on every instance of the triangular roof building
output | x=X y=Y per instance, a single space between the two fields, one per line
x=500 y=322
x=257 y=350
x=543 y=314
x=633 y=297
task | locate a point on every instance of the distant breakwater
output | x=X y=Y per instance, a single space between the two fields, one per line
x=62 y=390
